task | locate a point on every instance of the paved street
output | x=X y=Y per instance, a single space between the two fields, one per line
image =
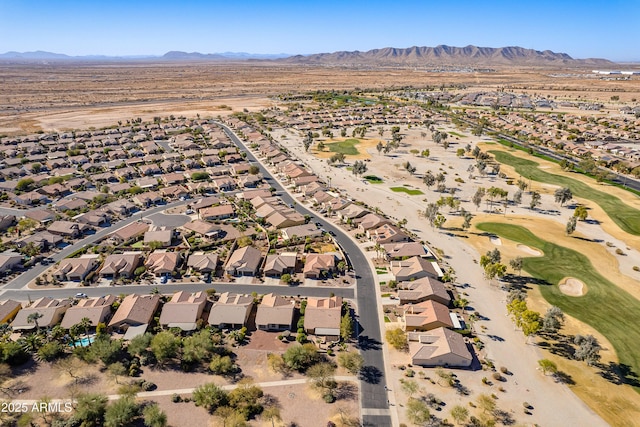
x=373 y=393
x=170 y=288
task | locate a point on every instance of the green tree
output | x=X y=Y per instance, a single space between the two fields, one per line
x=246 y=399
x=396 y=338
x=486 y=403
x=351 y=361
x=50 y=351
x=460 y=414
x=410 y=387
x=210 y=396
x=346 y=327
x=359 y=168
x=90 y=409
x=553 y=320
x=117 y=369
x=547 y=366
x=197 y=347
x=154 y=416
x=121 y=412
x=535 y=200
x=418 y=411
x=516 y=264
x=271 y=413
x=428 y=179
x=165 y=346
x=588 y=348
x=322 y=377
x=571 y=225
x=106 y=349
x=139 y=344
x=477 y=197
x=581 y=212
x=563 y=195
x=222 y=365
x=300 y=357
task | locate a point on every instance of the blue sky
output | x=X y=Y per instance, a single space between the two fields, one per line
x=607 y=29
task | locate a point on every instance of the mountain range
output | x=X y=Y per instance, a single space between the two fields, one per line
x=448 y=55
x=441 y=55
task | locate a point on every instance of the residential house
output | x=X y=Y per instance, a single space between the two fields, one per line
x=217 y=212
x=300 y=231
x=67 y=228
x=9 y=261
x=231 y=311
x=243 y=262
x=76 y=269
x=203 y=262
x=43 y=216
x=423 y=289
x=352 y=212
x=162 y=263
x=49 y=310
x=371 y=221
x=147 y=199
x=135 y=310
x=387 y=233
x=7 y=221
x=97 y=310
x=439 y=347
x=8 y=310
x=275 y=313
x=183 y=311
x=402 y=250
x=224 y=184
x=121 y=265
x=205 y=202
x=426 y=315
x=130 y=232
x=70 y=204
x=162 y=237
x=203 y=228
x=174 y=192
x=322 y=317
x=277 y=265
x=317 y=266
x=43 y=240
x=414 y=268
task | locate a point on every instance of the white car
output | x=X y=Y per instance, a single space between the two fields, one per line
x=81 y=295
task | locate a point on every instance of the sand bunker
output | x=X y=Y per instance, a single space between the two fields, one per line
x=572 y=287
x=495 y=240
x=530 y=251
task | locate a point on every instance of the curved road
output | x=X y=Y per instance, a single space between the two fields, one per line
x=375 y=408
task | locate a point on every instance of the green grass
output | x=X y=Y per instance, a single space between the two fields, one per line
x=459 y=135
x=626 y=217
x=346 y=147
x=406 y=190
x=386 y=319
x=373 y=179
x=607 y=308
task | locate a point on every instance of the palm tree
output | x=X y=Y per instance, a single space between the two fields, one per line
x=33 y=318
x=85 y=323
x=31 y=343
x=378 y=249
